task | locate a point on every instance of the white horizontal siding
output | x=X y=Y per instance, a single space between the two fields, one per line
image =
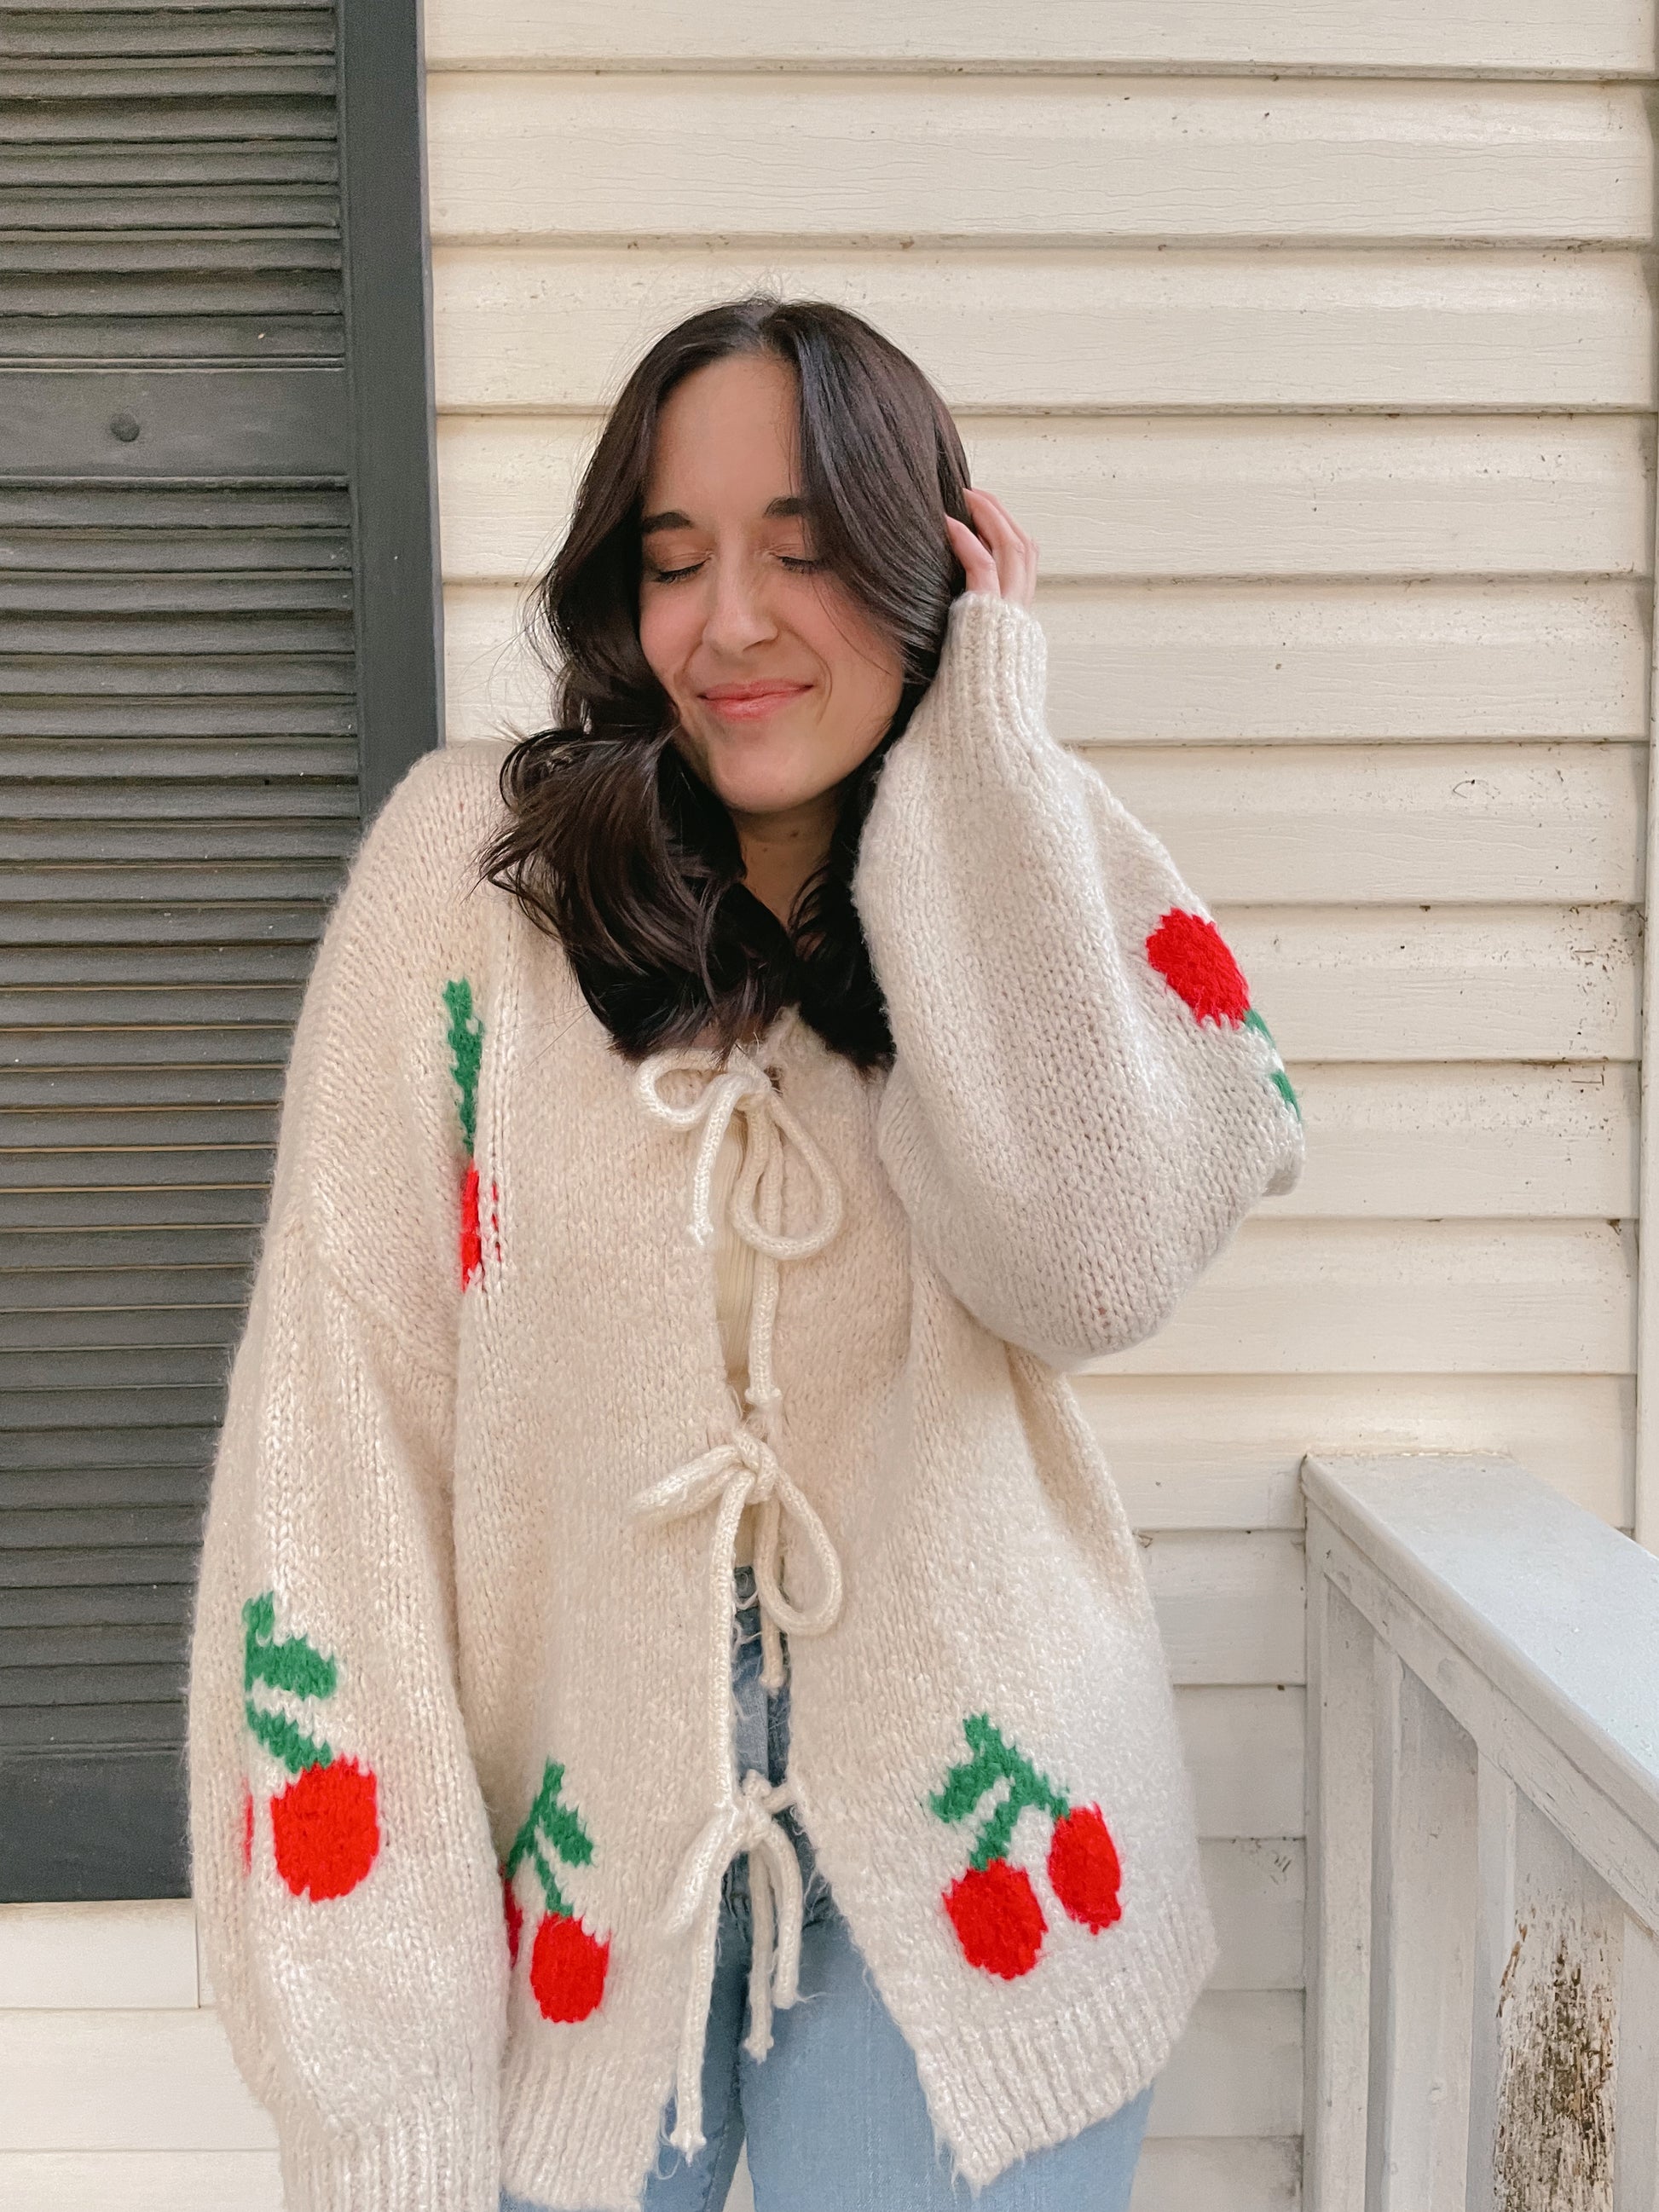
x=1222 y=1451
x=548 y=155
x=1140 y=496
x=1223 y=663
x=1553 y=37
x=555 y=326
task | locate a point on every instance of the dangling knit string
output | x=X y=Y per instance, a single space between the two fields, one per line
x=741 y=1468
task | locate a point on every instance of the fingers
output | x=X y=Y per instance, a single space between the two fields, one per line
x=1005 y=558
x=978 y=563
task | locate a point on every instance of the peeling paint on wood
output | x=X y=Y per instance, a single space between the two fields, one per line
x=1554 y=2141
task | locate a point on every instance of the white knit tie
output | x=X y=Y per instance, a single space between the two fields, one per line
x=741 y=1468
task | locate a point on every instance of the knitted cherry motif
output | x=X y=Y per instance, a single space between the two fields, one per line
x=466 y=1057
x=1191 y=955
x=325 y=1827
x=993 y=1905
x=567 y=1965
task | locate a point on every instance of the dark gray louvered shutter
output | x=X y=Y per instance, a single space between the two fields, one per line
x=217 y=648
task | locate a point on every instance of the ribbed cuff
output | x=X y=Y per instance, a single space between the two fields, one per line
x=995 y=672
x=436 y=2157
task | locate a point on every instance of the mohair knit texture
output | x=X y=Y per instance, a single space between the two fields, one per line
x=463 y=1602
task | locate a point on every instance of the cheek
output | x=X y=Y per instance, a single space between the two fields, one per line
x=866 y=677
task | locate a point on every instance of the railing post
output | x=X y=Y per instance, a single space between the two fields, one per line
x=1423 y=1912
x=1636 y=2121
x=1496 y=1801
x=1338 y=1909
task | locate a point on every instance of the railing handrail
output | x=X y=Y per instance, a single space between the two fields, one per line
x=1560 y=1611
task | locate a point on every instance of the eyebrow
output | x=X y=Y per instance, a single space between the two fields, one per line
x=671 y=518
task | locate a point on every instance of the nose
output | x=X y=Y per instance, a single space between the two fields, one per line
x=739 y=618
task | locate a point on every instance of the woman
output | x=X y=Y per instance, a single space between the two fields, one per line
x=658 y=1588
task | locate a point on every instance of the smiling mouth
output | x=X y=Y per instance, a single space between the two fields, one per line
x=751 y=702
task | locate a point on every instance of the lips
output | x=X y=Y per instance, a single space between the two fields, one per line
x=749 y=703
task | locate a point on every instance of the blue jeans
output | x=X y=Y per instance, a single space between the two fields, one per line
x=835 y=2117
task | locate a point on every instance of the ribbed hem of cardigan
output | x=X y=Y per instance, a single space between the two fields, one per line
x=429 y=2158
x=578 y=2135
x=999 y=2093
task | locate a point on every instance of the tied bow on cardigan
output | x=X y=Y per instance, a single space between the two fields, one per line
x=740 y=1469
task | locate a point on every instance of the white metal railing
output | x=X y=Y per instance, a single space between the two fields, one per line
x=1483 y=1845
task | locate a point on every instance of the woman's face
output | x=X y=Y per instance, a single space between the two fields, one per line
x=781 y=684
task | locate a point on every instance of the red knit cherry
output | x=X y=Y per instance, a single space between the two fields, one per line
x=514 y=1912
x=1084 y=1869
x=998 y=1920
x=567 y=1968
x=472 y=1236
x=326 y=1829
x=1191 y=955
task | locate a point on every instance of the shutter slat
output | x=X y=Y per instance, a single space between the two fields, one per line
x=103 y=33
x=210 y=337
x=186 y=673
x=314 y=813
x=69 y=1686
x=226 y=521
x=104 y=1135
x=118 y=1456
x=260 y=880
x=159 y=555
x=108 y=1085
x=90 y=1566
x=119 y=1489
x=274 y=208
x=51 y=262
x=197 y=167
x=114 y=1368
x=167 y=1213
x=50 y=1295
x=162 y=1328
x=223 y=1230
x=108 y=932
x=151 y=1527
x=134 y=1644
x=119 y=1729
x=85 y=761
x=127 y=103
x=223 y=717
x=118 y=1065
x=99 y=597
x=129 y=1173
x=65 y=650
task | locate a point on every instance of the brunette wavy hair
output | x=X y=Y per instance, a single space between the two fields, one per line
x=613 y=844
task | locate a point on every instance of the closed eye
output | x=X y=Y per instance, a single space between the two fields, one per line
x=798 y=563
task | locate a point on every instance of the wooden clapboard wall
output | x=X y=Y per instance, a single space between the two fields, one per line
x=1314 y=345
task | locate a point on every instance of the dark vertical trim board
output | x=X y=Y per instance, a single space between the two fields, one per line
x=389 y=368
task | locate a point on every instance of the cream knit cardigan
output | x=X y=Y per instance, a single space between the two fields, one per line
x=466 y=1582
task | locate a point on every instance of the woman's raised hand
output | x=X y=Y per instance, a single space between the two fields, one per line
x=1001 y=559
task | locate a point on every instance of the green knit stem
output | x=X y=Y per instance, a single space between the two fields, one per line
x=466 y=1054
x=291 y=1664
x=1280 y=1080
x=283 y=1741
x=550 y=1820
x=994 y=1760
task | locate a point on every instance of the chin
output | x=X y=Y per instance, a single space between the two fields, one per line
x=762 y=795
